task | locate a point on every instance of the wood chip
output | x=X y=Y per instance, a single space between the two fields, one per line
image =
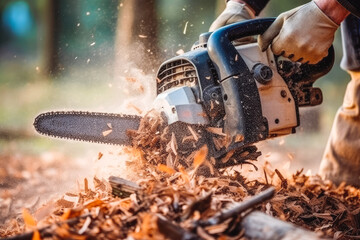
x=107 y=132
x=85 y=226
x=200 y=156
x=28 y=218
x=193 y=133
x=165 y=169
x=217 y=131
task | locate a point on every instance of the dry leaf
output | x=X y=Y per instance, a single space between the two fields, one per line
x=36 y=235
x=165 y=169
x=28 y=218
x=200 y=156
x=70 y=213
x=94 y=203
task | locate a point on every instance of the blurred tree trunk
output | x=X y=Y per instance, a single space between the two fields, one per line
x=52 y=41
x=136 y=35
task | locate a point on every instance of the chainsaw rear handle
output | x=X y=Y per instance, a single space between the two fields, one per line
x=244 y=121
x=223 y=53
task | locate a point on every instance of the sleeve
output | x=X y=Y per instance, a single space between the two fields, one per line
x=350 y=33
x=352 y=6
x=257 y=5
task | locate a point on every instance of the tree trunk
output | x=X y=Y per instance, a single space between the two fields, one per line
x=51 y=41
x=136 y=35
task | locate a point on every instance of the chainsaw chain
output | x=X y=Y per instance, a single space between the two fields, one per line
x=79 y=113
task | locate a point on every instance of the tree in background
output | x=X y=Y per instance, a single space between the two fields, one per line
x=136 y=35
x=52 y=62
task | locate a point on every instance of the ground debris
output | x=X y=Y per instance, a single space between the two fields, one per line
x=177 y=199
x=162 y=207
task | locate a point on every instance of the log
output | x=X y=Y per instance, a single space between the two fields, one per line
x=258 y=225
x=122 y=188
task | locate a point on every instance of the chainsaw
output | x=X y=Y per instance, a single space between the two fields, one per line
x=246 y=94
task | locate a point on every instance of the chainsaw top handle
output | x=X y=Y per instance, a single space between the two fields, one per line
x=224 y=55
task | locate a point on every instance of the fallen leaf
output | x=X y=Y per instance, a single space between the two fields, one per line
x=165 y=169
x=36 y=235
x=28 y=218
x=200 y=156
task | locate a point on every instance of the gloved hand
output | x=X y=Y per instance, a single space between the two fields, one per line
x=302 y=34
x=234 y=12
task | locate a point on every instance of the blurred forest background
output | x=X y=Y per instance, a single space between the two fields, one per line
x=78 y=55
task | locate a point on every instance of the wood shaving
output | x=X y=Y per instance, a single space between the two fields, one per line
x=107 y=132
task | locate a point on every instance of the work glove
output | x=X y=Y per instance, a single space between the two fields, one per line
x=341 y=160
x=303 y=34
x=234 y=12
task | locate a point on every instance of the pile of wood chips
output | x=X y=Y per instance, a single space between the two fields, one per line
x=174 y=199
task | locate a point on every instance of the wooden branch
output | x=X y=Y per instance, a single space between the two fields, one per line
x=240 y=207
x=173 y=231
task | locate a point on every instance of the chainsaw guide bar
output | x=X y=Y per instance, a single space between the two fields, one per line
x=94 y=127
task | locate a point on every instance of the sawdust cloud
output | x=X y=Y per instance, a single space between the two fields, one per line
x=132 y=92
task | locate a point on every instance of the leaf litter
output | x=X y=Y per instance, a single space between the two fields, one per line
x=175 y=198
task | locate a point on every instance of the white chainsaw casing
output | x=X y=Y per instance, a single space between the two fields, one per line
x=277 y=103
x=179 y=104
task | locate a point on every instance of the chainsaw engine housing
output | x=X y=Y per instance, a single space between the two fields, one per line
x=251 y=95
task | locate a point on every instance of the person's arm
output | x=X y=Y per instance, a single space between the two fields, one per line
x=352 y=6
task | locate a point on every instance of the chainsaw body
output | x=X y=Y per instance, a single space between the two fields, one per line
x=246 y=94
x=251 y=95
